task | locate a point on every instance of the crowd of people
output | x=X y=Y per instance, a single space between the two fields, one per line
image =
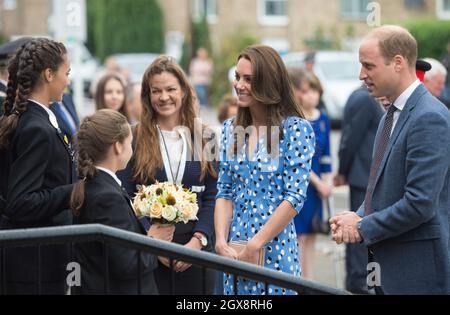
x=266 y=188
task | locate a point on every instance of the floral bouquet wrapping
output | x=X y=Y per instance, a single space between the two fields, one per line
x=166 y=203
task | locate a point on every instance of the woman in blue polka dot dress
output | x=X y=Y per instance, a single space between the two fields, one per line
x=263 y=179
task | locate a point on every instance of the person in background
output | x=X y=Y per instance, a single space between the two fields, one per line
x=67 y=116
x=446 y=62
x=201 y=70
x=435 y=80
x=308 y=91
x=134 y=103
x=111 y=93
x=228 y=108
x=103 y=148
x=3 y=80
x=7 y=50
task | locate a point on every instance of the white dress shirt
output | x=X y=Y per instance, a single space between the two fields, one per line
x=400 y=102
x=111 y=173
x=51 y=115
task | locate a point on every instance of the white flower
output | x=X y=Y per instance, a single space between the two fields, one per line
x=169 y=213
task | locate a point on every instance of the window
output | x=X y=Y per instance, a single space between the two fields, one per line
x=273 y=12
x=354 y=9
x=201 y=8
x=9 y=5
x=414 y=4
x=443 y=9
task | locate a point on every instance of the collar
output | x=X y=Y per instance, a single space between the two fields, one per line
x=400 y=102
x=51 y=115
x=5 y=83
x=111 y=173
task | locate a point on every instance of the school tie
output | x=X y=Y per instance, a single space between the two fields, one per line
x=379 y=154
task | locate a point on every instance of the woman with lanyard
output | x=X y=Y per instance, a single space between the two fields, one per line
x=163 y=152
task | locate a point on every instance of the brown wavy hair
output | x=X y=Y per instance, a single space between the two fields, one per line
x=96 y=136
x=147 y=156
x=25 y=69
x=100 y=92
x=271 y=87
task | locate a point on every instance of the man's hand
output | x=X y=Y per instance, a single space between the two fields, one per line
x=345 y=228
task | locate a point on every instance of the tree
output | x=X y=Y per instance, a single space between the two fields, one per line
x=117 y=26
x=432 y=36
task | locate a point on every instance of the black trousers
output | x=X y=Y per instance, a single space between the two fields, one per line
x=356 y=259
x=190 y=282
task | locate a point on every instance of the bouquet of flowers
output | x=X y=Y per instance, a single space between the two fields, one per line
x=166 y=203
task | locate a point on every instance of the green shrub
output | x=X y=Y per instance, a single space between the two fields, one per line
x=117 y=26
x=432 y=36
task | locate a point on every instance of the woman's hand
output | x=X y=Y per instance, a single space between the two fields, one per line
x=223 y=249
x=324 y=190
x=250 y=254
x=181 y=266
x=162 y=233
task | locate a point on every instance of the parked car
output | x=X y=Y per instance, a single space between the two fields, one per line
x=135 y=63
x=338 y=72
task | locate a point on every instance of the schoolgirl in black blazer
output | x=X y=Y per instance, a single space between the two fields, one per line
x=103 y=147
x=36 y=164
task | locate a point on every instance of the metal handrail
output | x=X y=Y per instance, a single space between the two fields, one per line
x=129 y=240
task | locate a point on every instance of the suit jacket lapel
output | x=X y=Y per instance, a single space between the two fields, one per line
x=404 y=116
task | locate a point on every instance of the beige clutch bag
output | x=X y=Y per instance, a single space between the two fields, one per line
x=238 y=246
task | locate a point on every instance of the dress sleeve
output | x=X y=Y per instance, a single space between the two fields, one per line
x=298 y=151
x=225 y=181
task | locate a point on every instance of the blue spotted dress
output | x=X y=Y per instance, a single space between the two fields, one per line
x=257 y=187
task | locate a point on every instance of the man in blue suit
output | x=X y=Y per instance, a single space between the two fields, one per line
x=66 y=115
x=404 y=220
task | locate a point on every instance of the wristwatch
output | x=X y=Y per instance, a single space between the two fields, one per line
x=203 y=240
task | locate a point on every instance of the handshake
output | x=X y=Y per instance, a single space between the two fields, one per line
x=344 y=228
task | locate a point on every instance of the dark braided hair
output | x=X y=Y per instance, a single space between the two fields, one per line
x=94 y=139
x=25 y=70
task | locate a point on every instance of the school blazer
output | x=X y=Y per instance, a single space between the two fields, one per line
x=106 y=203
x=36 y=176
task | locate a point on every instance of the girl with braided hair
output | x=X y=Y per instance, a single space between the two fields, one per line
x=36 y=165
x=103 y=148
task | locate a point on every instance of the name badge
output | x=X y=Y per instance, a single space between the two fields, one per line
x=198 y=189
